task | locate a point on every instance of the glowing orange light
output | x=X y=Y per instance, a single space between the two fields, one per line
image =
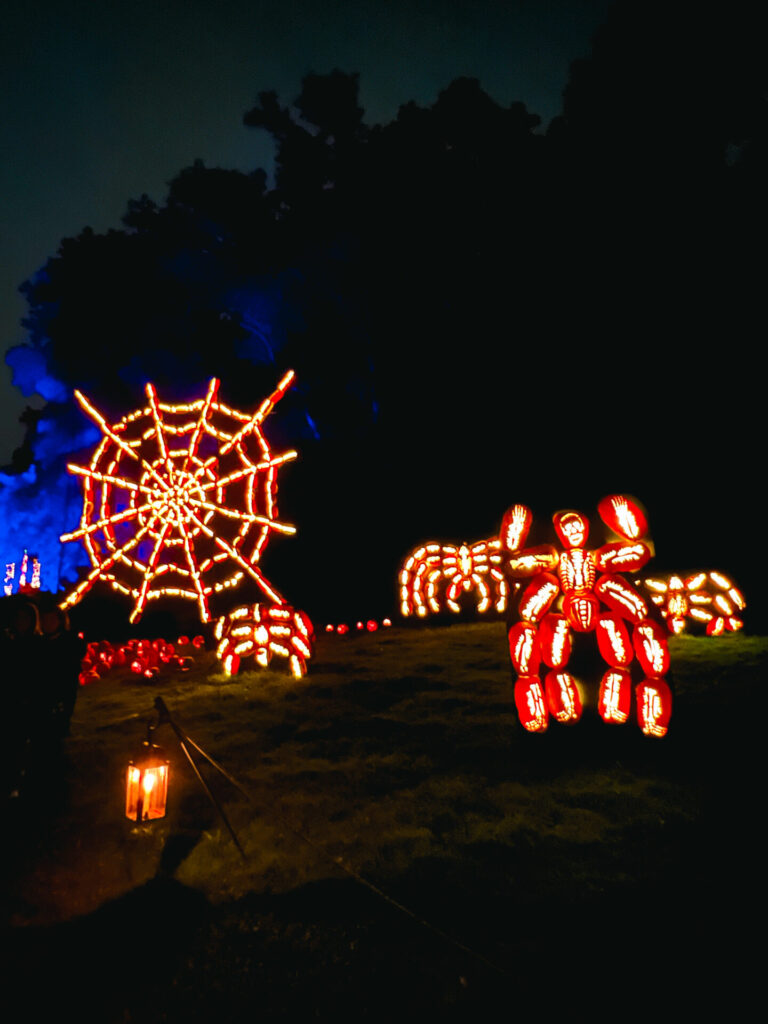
x=650 y=644
x=623 y=515
x=623 y=557
x=264 y=632
x=530 y=704
x=708 y=598
x=530 y=561
x=538 y=596
x=555 y=640
x=147 y=784
x=572 y=529
x=563 y=698
x=654 y=706
x=581 y=593
x=514 y=527
x=435 y=576
x=615 y=696
x=621 y=597
x=613 y=640
x=581 y=611
x=179 y=500
x=524 y=649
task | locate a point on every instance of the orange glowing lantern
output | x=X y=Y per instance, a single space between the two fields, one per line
x=147 y=784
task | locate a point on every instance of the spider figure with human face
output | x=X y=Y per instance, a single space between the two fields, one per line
x=578 y=590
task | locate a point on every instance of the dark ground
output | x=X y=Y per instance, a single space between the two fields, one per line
x=587 y=871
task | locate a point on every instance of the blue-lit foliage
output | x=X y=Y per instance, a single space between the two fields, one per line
x=43 y=500
x=425 y=278
x=35 y=506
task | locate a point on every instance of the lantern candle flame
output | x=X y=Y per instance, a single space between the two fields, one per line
x=147 y=786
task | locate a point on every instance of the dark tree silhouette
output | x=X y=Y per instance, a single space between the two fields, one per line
x=477 y=311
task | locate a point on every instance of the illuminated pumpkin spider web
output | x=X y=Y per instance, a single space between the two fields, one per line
x=179 y=500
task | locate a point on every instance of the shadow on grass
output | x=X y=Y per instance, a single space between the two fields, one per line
x=603 y=873
x=334 y=950
x=105 y=966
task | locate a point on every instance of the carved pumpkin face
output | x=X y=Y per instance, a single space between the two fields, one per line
x=572 y=529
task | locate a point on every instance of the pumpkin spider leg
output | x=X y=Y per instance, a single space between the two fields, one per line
x=531 y=706
x=615 y=696
x=563 y=697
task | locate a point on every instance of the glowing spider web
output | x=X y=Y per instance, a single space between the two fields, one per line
x=179 y=500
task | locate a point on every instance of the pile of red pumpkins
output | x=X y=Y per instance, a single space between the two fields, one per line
x=143 y=657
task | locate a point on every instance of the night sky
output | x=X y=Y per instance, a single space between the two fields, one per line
x=105 y=102
x=627 y=288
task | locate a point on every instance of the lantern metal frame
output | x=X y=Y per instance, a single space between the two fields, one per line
x=187 y=744
x=145 y=802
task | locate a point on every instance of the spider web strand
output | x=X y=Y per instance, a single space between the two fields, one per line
x=194 y=441
x=102 y=567
x=261 y=413
x=238 y=474
x=159 y=431
x=149 y=572
x=118 y=517
x=234 y=554
x=245 y=517
x=195 y=573
x=123 y=445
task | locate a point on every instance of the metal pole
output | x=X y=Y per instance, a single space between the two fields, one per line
x=165 y=716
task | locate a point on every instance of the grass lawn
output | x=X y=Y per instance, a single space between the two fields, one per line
x=588 y=870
